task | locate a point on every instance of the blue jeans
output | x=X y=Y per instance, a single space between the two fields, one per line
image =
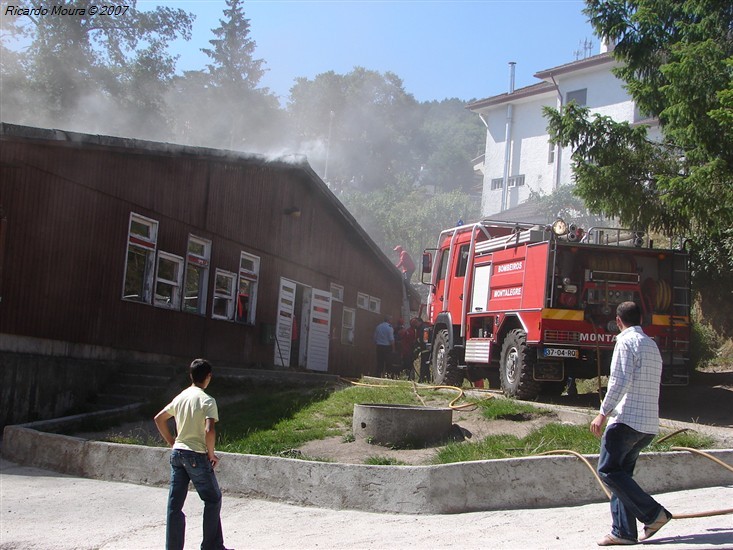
x=190 y=466
x=620 y=448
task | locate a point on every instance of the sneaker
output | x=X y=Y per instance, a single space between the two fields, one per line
x=651 y=529
x=613 y=540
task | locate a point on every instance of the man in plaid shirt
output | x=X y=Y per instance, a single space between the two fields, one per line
x=632 y=403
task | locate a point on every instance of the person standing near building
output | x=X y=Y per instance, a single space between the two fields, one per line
x=405 y=264
x=193 y=458
x=385 y=342
x=632 y=403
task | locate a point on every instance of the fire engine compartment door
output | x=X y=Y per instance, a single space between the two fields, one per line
x=480 y=293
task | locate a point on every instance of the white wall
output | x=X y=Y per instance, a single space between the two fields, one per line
x=530 y=141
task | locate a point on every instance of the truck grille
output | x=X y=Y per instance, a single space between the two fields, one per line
x=561 y=337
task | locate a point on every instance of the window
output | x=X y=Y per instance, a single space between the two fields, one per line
x=223 y=295
x=362 y=300
x=375 y=304
x=197 y=275
x=249 y=273
x=462 y=261
x=168 y=277
x=347 y=326
x=142 y=239
x=578 y=96
x=337 y=292
x=443 y=264
x=551 y=154
x=514 y=181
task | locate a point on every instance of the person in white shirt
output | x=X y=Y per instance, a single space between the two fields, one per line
x=632 y=407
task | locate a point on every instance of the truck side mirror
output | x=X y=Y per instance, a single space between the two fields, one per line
x=427 y=262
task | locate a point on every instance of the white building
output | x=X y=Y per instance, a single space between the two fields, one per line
x=530 y=163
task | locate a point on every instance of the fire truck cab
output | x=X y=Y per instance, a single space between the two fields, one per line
x=537 y=304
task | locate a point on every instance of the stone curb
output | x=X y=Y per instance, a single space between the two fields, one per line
x=532 y=482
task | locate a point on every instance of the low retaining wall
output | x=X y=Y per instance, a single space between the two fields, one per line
x=533 y=482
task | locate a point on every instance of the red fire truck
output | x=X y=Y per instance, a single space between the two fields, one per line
x=537 y=304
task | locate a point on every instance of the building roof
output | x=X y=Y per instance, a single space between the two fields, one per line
x=287 y=163
x=547 y=85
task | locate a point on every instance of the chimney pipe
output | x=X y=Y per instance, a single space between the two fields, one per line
x=512 y=65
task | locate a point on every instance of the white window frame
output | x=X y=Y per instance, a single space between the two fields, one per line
x=337 y=292
x=202 y=262
x=147 y=245
x=175 y=302
x=229 y=297
x=348 y=326
x=362 y=300
x=375 y=304
x=253 y=276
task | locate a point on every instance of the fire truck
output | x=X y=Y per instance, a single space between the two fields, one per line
x=536 y=304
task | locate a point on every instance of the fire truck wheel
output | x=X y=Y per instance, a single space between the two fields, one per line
x=516 y=367
x=444 y=366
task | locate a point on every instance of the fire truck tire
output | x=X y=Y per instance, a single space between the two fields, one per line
x=444 y=365
x=516 y=367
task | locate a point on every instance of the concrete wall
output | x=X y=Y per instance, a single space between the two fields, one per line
x=532 y=482
x=34 y=387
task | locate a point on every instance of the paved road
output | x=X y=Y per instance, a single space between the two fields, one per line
x=44 y=510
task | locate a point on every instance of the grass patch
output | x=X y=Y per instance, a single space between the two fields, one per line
x=507 y=409
x=383 y=461
x=277 y=421
x=268 y=424
x=549 y=438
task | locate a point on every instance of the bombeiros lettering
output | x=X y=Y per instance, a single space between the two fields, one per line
x=505 y=268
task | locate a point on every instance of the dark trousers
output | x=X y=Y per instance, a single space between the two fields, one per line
x=384 y=359
x=620 y=448
x=188 y=466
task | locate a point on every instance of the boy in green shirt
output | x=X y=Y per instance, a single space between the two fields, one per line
x=193 y=458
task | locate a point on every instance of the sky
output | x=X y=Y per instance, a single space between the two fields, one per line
x=440 y=49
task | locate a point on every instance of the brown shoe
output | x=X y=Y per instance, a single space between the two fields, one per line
x=613 y=540
x=651 y=529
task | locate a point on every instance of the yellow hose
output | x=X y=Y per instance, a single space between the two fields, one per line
x=710 y=513
x=576 y=454
x=451 y=405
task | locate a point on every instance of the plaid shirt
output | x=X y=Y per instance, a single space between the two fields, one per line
x=633 y=388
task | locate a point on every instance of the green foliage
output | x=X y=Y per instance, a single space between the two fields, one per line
x=703 y=343
x=85 y=66
x=499 y=408
x=676 y=62
x=270 y=423
x=566 y=204
x=403 y=214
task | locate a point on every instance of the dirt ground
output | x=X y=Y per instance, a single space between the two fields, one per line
x=707 y=400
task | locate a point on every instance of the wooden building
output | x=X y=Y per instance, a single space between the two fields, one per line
x=117 y=249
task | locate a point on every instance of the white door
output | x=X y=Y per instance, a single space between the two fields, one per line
x=319 y=331
x=284 y=326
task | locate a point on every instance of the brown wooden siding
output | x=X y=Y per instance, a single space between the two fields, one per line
x=68 y=206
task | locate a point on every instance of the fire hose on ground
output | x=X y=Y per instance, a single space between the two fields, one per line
x=585 y=461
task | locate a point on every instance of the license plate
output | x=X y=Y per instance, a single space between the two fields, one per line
x=561 y=352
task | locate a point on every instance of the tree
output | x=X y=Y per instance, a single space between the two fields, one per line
x=446 y=143
x=677 y=62
x=223 y=106
x=401 y=213
x=361 y=122
x=83 y=67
